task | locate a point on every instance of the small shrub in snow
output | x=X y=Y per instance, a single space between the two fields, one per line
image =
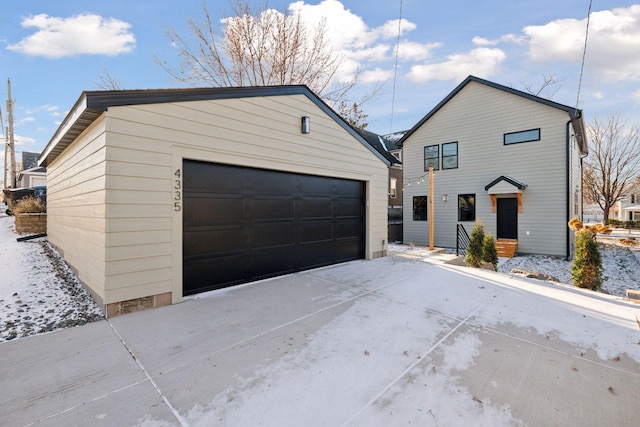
x=489 y=251
x=474 y=251
x=586 y=271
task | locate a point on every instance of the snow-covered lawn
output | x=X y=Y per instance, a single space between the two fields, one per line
x=619 y=261
x=38 y=291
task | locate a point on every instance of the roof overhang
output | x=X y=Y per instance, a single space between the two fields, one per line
x=92 y=104
x=505 y=185
x=633 y=208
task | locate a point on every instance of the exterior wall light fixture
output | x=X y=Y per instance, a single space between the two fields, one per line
x=306 y=124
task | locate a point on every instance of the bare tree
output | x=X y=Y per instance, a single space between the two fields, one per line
x=613 y=164
x=548 y=81
x=108 y=82
x=261 y=47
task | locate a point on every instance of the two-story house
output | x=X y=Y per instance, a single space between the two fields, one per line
x=508 y=158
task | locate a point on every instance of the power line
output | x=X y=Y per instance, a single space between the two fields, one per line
x=395 y=69
x=584 y=53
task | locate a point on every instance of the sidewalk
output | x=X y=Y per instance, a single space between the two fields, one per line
x=386 y=342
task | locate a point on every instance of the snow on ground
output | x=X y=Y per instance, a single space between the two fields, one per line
x=38 y=291
x=619 y=261
x=434 y=322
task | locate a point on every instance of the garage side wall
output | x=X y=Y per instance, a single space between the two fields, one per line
x=76 y=209
x=146 y=148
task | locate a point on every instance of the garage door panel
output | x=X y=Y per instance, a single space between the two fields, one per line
x=315 y=208
x=315 y=232
x=348 y=208
x=211 y=210
x=348 y=229
x=227 y=240
x=271 y=236
x=264 y=223
x=267 y=183
x=207 y=274
x=272 y=209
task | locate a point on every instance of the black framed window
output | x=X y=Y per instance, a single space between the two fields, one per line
x=522 y=136
x=431 y=157
x=450 y=155
x=466 y=207
x=419 y=208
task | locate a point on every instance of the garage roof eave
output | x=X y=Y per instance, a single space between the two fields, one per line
x=92 y=104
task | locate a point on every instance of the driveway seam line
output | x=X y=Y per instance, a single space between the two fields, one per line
x=175 y=412
x=413 y=365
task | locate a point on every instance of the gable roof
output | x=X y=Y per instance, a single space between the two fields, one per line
x=515 y=183
x=92 y=104
x=379 y=143
x=575 y=115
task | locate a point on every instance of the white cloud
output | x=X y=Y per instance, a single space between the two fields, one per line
x=377 y=75
x=52 y=110
x=24 y=120
x=481 y=41
x=78 y=35
x=23 y=140
x=481 y=61
x=389 y=30
x=613 y=48
x=355 y=41
x=416 y=51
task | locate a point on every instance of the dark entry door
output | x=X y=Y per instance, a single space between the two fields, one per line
x=242 y=224
x=507 y=218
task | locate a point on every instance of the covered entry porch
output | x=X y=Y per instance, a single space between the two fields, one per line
x=506 y=202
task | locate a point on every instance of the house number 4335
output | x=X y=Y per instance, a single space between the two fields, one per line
x=177 y=190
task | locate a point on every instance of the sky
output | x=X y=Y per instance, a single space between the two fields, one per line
x=52 y=51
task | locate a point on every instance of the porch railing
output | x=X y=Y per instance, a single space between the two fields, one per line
x=462 y=241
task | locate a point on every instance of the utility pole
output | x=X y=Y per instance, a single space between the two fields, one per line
x=4 y=138
x=10 y=141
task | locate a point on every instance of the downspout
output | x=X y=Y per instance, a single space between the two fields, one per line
x=568 y=192
x=568 y=180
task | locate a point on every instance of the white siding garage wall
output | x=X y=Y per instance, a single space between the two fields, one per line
x=76 y=209
x=136 y=223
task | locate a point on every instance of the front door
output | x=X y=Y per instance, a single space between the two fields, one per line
x=507 y=218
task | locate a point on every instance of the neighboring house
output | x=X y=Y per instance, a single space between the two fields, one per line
x=387 y=145
x=507 y=158
x=158 y=194
x=592 y=212
x=29 y=160
x=627 y=209
x=33 y=177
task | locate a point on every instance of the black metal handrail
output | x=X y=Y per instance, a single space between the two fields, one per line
x=462 y=241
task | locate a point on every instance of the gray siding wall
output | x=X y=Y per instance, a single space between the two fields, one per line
x=477 y=118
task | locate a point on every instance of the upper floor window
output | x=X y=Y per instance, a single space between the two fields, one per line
x=522 y=136
x=633 y=198
x=431 y=157
x=450 y=155
x=420 y=208
x=393 y=188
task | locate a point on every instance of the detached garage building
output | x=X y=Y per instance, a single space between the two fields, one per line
x=158 y=194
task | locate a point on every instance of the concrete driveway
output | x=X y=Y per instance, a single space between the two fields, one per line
x=394 y=341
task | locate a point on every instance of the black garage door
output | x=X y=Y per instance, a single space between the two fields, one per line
x=242 y=224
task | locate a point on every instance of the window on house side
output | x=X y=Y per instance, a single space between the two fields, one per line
x=633 y=198
x=431 y=157
x=466 y=207
x=392 y=188
x=522 y=136
x=450 y=155
x=420 y=208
